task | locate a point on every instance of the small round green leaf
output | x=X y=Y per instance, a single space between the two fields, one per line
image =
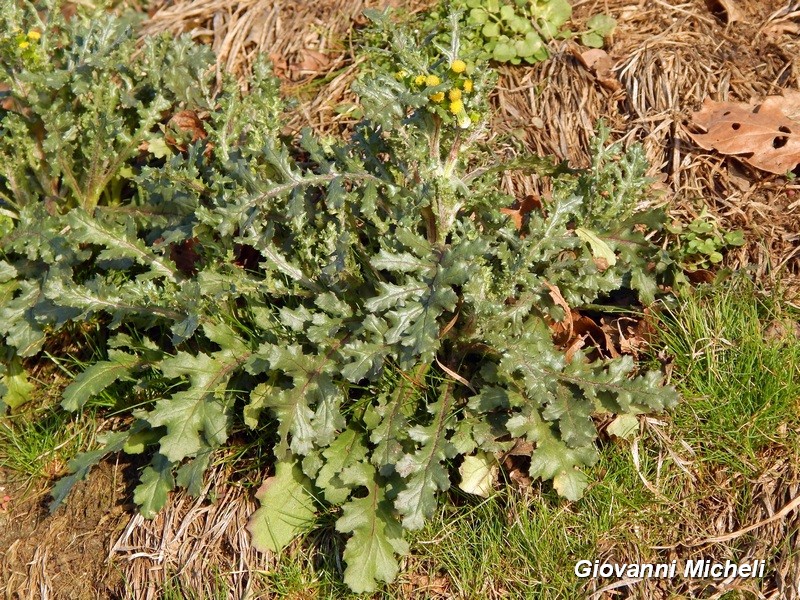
x=592 y=39
x=602 y=24
x=528 y=46
x=491 y=30
x=520 y=24
x=507 y=12
x=478 y=16
x=503 y=52
x=556 y=12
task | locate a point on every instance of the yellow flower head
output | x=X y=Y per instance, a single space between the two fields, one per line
x=458 y=66
x=24 y=45
x=454 y=94
x=456 y=106
x=437 y=97
x=432 y=80
x=419 y=80
x=34 y=35
x=468 y=85
x=400 y=75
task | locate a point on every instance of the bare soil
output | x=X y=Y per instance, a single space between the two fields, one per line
x=63 y=555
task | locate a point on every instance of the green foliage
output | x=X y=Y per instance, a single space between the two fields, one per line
x=518 y=31
x=700 y=244
x=364 y=301
x=83 y=99
x=82 y=102
x=599 y=27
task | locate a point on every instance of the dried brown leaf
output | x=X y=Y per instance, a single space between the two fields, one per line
x=555 y=294
x=312 y=62
x=188 y=121
x=521 y=208
x=600 y=64
x=761 y=135
x=726 y=10
x=788 y=103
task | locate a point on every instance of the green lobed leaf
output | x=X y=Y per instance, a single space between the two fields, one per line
x=187 y=416
x=156 y=482
x=425 y=472
x=195 y=418
x=346 y=450
x=119 y=241
x=190 y=475
x=377 y=537
x=96 y=378
x=300 y=427
x=552 y=459
x=18 y=320
x=15 y=389
x=287 y=508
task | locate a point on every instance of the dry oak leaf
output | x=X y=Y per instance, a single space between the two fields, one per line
x=520 y=209
x=727 y=11
x=600 y=64
x=761 y=135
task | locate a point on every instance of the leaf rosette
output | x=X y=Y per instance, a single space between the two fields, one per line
x=365 y=303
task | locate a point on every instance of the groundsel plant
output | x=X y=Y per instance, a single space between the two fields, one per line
x=364 y=305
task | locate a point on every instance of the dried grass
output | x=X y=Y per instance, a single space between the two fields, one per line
x=61 y=556
x=193 y=545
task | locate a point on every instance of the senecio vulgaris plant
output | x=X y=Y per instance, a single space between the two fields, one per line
x=364 y=304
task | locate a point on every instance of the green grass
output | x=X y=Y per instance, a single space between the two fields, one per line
x=38 y=439
x=215 y=589
x=38 y=443
x=737 y=358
